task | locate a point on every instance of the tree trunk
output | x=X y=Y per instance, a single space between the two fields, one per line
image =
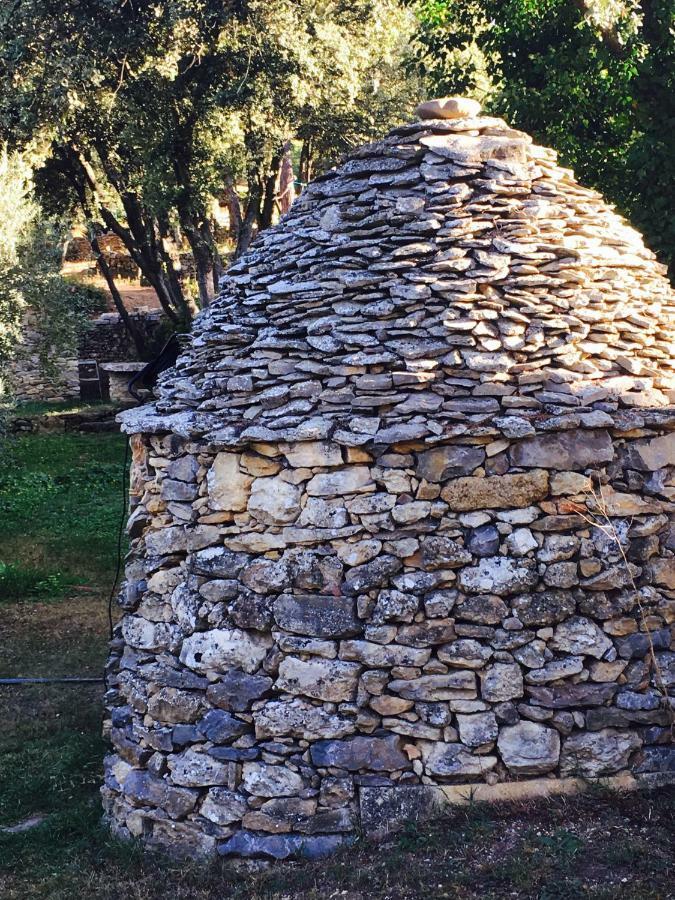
x=286 y=193
x=270 y=191
x=234 y=208
x=127 y=321
x=250 y=217
x=306 y=154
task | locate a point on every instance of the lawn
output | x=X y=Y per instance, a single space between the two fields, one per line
x=60 y=506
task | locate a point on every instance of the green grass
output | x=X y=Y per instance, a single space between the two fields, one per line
x=60 y=505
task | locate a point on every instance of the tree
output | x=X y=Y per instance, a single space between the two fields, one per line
x=144 y=112
x=593 y=78
x=30 y=280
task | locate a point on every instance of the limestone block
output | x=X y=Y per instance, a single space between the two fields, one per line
x=222 y=648
x=263 y=780
x=529 y=748
x=496 y=492
x=578 y=635
x=375 y=754
x=448 y=108
x=564 y=450
x=222 y=806
x=228 y=486
x=501 y=681
x=274 y=501
x=603 y=752
x=477 y=728
x=454 y=760
x=498 y=575
x=323 y=679
x=299 y=718
x=312 y=454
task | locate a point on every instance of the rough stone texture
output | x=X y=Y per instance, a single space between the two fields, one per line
x=394 y=508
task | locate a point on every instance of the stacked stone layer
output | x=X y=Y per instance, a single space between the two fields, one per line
x=403 y=511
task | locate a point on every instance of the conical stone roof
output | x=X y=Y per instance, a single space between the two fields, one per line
x=448 y=279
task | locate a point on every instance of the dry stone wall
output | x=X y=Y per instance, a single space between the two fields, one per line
x=306 y=620
x=403 y=509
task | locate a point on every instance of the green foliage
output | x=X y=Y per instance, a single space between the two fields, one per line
x=31 y=286
x=595 y=80
x=144 y=113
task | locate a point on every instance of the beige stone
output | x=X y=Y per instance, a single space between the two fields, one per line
x=607 y=671
x=663 y=571
x=228 y=486
x=322 y=679
x=274 y=501
x=497 y=492
x=570 y=483
x=658 y=452
x=448 y=108
x=336 y=484
x=312 y=454
x=615 y=503
x=387 y=705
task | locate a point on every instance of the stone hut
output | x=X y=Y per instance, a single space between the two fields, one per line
x=401 y=518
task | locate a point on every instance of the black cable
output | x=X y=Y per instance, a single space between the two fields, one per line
x=120 y=534
x=65 y=679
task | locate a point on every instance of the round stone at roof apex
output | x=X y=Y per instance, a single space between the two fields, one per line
x=448 y=108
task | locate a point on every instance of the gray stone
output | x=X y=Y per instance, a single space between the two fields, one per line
x=316 y=615
x=171 y=705
x=483 y=541
x=221 y=649
x=395 y=606
x=485 y=609
x=564 y=450
x=372 y=574
x=440 y=552
x=498 y=575
x=450 y=461
x=145 y=789
x=545 y=608
x=435 y=688
x=236 y=690
x=263 y=780
x=221 y=727
x=353 y=480
x=578 y=635
x=274 y=501
x=477 y=729
x=501 y=681
x=454 y=760
x=567 y=695
x=465 y=654
x=223 y=807
x=596 y=753
x=194 y=769
x=280 y=846
x=298 y=718
x=322 y=679
x=377 y=655
x=529 y=748
x=375 y=754
x=556 y=669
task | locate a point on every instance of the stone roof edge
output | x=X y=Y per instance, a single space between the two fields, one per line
x=208 y=427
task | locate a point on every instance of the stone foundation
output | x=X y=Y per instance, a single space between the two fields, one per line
x=305 y=622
